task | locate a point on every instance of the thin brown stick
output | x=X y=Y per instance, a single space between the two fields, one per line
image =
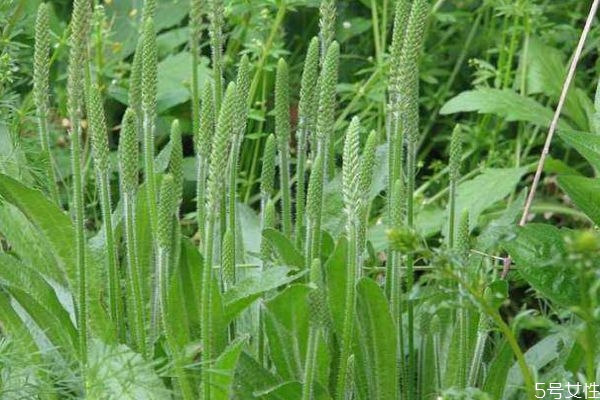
x=561 y=101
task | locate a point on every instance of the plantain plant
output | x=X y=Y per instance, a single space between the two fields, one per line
x=327 y=284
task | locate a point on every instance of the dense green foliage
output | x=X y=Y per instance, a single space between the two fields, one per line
x=212 y=199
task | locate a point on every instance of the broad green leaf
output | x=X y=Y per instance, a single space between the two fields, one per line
x=353 y=27
x=538 y=251
x=496 y=293
x=116 y=372
x=251 y=230
x=587 y=144
x=224 y=369
x=284 y=248
x=251 y=377
x=291 y=390
x=14 y=327
x=377 y=341
x=248 y=290
x=428 y=371
x=13 y=160
x=537 y=357
x=585 y=193
x=465 y=394
x=171 y=40
x=546 y=70
x=495 y=384
x=286 y=328
x=52 y=222
x=184 y=295
x=504 y=103
x=556 y=166
x=174 y=79
x=125 y=16
x=483 y=191
x=497 y=228
x=27 y=243
x=39 y=299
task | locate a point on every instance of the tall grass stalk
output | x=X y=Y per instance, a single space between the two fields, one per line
x=240 y=118
x=307 y=108
x=282 y=133
x=149 y=91
x=203 y=144
x=75 y=95
x=367 y=168
x=318 y=320
x=216 y=177
x=408 y=72
x=215 y=31
x=267 y=207
x=454 y=168
x=166 y=207
x=195 y=36
x=394 y=128
x=128 y=168
x=175 y=168
x=352 y=205
x=324 y=132
x=327 y=12
x=314 y=207
x=41 y=93
x=102 y=167
x=327 y=20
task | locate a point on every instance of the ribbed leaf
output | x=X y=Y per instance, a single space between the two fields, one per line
x=52 y=222
x=539 y=252
x=116 y=372
x=38 y=298
x=377 y=341
x=504 y=103
x=285 y=248
x=335 y=270
x=587 y=144
x=224 y=369
x=251 y=288
x=286 y=327
x=585 y=193
x=251 y=377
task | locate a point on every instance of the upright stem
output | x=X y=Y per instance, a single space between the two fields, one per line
x=410 y=279
x=300 y=183
x=284 y=173
x=135 y=274
x=206 y=305
x=79 y=237
x=310 y=364
x=201 y=196
x=149 y=167
x=159 y=298
x=114 y=286
x=349 y=312
x=45 y=142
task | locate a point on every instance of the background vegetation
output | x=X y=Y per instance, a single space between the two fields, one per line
x=296 y=199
